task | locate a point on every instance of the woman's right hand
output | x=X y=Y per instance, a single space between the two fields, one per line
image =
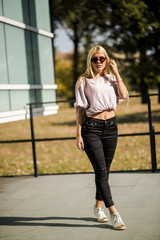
x=80 y=143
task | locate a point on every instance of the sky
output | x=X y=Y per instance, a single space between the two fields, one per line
x=62 y=41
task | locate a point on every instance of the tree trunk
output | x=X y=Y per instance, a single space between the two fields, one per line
x=87 y=46
x=143 y=84
x=159 y=92
x=75 y=58
x=143 y=90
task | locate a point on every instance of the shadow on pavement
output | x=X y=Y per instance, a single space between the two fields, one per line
x=28 y=221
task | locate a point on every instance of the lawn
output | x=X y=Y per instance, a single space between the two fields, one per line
x=132 y=153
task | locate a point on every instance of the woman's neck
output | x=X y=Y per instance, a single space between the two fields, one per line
x=97 y=75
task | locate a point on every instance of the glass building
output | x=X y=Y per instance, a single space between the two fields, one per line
x=26 y=59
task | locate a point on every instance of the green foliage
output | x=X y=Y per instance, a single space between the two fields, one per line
x=64 y=78
x=130 y=28
x=80 y=20
x=135 y=33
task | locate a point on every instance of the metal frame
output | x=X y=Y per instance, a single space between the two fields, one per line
x=33 y=140
x=25 y=27
x=27 y=86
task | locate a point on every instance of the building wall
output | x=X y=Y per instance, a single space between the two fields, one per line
x=26 y=59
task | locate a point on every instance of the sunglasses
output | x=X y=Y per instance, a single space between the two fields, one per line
x=95 y=59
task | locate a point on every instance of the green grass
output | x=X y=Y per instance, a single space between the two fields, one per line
x=132 y=153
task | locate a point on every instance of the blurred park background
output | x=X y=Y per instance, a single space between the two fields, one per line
x=130 y=32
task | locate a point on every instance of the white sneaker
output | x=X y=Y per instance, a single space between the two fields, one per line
x=117 y=222
x=99 y=213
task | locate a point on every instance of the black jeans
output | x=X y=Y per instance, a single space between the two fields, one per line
x=100 y=140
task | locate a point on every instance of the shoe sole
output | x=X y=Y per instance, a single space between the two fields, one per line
x=103 y=220
x=120 y=228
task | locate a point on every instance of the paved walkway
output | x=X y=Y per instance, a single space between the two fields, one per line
x=59 y=207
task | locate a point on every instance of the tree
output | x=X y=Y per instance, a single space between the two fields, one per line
x=133 y=25
x=154 y=18
x=129 y=27
x=79 y=19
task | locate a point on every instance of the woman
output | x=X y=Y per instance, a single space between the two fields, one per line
x=97 y=95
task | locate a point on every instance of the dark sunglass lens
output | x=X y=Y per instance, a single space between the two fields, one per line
x=94 y=59
x=102 y=59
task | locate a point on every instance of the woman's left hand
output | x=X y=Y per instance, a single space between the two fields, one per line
x=113 y=66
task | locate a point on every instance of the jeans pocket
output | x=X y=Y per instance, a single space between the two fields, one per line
x=90 y=125
x=112 y=125
x=113 y=122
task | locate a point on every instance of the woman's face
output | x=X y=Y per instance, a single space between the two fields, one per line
x=98 y=62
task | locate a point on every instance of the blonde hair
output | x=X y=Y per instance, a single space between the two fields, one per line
x=89 y=73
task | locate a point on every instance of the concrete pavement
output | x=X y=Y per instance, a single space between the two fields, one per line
x=60 y=207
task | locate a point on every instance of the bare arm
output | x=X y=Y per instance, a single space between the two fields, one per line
x=121 y=88
x=79 y=121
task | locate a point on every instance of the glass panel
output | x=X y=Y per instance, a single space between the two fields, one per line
x=43 y=59
x=3 y=61
x=48 y=95
x=32 y=95
x=46 y=60
x=19 y=99
x=20 y=69
x=36 y=60
x=16 y=10
x=40 y=16
x=39 y=97
x=1 y=12
x=29 y=57
x=45 y=96
x=4 y=103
